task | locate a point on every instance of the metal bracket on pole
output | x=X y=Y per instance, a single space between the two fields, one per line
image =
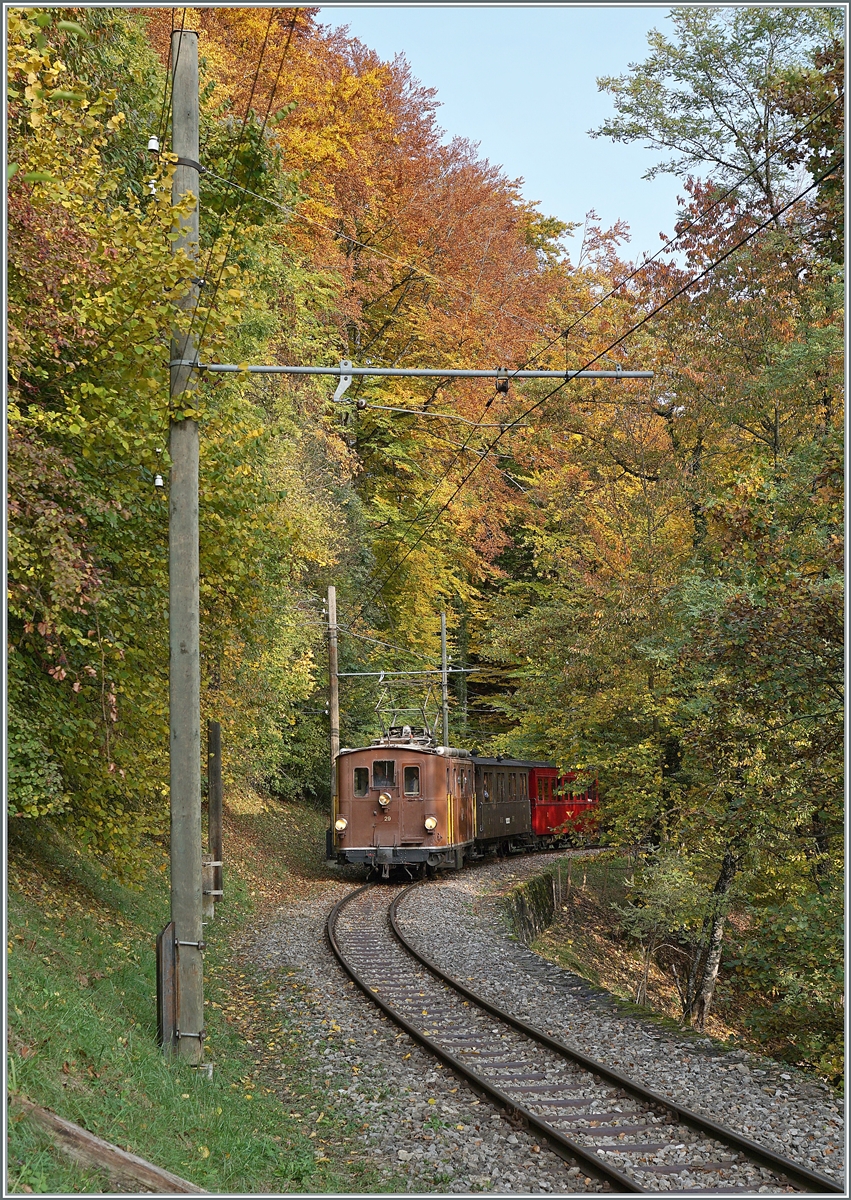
x=190 y=162
x=345 y=380
x=345 y=370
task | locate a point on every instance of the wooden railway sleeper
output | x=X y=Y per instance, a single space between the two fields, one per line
x=802 y=1176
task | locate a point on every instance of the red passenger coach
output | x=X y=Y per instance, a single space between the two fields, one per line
x=557 y=810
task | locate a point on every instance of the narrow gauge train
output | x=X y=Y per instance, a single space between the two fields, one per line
x=405 y=803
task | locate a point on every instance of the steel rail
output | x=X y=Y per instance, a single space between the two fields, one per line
x=563 y=1146
x=811 y=1181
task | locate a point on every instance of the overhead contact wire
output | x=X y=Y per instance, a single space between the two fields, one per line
x=633 y=329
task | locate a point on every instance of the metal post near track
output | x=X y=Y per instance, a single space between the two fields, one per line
x=184 y=600
x=333 y=708
x=444 y=679
x=215 y=797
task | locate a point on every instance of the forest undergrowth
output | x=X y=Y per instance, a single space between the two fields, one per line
x=82 y=1022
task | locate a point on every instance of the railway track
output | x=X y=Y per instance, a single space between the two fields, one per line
x=624 y=1134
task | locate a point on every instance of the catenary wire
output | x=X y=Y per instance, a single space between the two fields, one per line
x=292 y=212
x=426 y=412
x=718 y=200
x=633 y=329
x=684 y=229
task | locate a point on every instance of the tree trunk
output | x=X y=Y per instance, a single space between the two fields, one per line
x=702 y=983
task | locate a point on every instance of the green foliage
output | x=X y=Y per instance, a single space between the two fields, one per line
x=788 y=967
x=706 y=95
x=94 y=296
x=666 y=900
x=651 y=584
x=34 y=780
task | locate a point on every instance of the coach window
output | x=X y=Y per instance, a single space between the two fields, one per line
x=488 y=786
x=523 y=790
x=384 y=772
x=512 y=786
x=412 y=781
x=500 y=786
x=361 y=781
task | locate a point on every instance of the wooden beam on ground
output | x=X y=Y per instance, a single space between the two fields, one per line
x=90 y=1151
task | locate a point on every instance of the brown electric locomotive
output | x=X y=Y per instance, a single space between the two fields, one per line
x=404 y=803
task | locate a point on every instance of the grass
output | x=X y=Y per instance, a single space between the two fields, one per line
x=82 y=1022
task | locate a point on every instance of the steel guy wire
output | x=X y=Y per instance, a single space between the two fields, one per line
x=254 y=163
x=161 y=126
x=427 y=412
x=233 y=164
x=390 y=645
x=515 y=423
x=648 y=317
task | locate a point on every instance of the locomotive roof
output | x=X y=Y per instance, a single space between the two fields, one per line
x=409 y=746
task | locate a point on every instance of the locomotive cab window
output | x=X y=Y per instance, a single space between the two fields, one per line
x=361 y=781
x=384 y=772
x=412 y=781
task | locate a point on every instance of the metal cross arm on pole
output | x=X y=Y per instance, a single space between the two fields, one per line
x=408 y=372
x=386 y=674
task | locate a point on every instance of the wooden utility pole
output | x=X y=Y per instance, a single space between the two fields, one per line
x=444 y=678
x=333 y=703
x=183 y=595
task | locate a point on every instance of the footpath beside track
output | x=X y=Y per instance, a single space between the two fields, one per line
x=623 y=1133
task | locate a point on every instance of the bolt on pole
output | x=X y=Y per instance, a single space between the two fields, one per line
x=333 y=706
x=444 y=678
x=183 y=595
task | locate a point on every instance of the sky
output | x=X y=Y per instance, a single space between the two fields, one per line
x=521 y=81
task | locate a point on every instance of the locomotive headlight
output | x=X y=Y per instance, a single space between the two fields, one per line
x=384 y=799
x=430 y=824
x=341 y=824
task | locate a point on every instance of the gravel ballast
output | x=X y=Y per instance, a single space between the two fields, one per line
x=456 y=924
x=417 y=1118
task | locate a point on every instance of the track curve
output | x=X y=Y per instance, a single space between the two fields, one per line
x=626 y=1135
